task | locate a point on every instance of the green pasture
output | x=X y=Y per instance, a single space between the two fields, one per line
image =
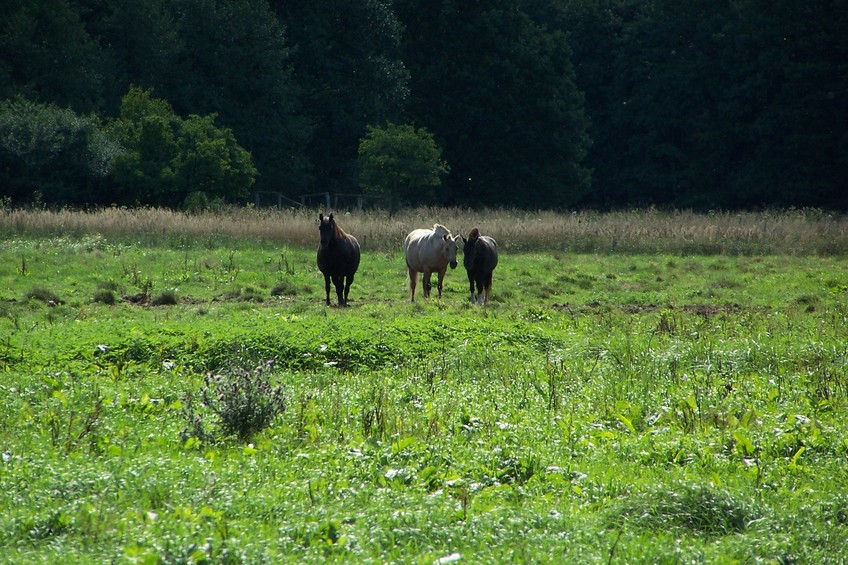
x=603 y=409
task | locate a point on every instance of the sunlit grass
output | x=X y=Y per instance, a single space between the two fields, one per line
x=793 y=232
x=650 y=407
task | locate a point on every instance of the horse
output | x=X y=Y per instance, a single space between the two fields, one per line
x=338 y=257
x=428 y=251
x=480 y=257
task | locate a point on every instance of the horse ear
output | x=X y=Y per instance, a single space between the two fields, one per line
x=331 y=217
x=320 y=217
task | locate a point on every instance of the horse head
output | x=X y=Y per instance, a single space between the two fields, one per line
x=469 y=248
x=327 y=228
x=450 y=248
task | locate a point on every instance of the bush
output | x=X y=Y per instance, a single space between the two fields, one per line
x=177 y=162
x=51 y=155
x=243 y=402
x=43 y=294
x=105 y=297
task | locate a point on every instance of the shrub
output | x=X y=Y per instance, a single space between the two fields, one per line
x=166 y=298
x=243 y=402
x=43 y=294
x=696 y=508
x=105 y=297
x=175 y=161
x=51 y=155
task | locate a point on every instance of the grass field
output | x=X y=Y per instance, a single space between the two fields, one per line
x=670 y=403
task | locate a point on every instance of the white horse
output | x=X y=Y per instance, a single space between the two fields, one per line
x=428 y=251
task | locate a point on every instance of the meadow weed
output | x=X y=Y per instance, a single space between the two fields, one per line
x=696 y=508
x=165 y=298
x=105 y=297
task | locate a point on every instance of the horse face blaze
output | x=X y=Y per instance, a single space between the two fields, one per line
x=326 y=231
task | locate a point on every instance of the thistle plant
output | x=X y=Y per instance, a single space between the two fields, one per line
x=244 y=402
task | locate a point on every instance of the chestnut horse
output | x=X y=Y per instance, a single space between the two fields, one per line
x=480 y=259
x=338 y=257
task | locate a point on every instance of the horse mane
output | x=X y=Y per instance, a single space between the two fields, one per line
x=440 y=230
x=473 y=235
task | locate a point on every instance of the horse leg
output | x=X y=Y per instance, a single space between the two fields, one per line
x=347 y=287
x=471 y=284
x=488 y=287
x=338 y=282
x=327 y=287
x=441 y=278
x=425 y=279
x=413 y=280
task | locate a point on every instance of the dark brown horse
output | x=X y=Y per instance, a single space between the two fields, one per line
x=338 y=257
x=480 y=259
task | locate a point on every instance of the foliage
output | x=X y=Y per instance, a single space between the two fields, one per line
x=704 y=105
x=51 y=154
x=400 y=165
x=169 y=158
x=346 y=58
x=498 y=87
x=244 y=402
x=48 y=56
x=236 y=65
x=605 y=104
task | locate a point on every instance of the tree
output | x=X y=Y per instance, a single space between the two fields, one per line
x=140 y=43
x=211 y=162
x=347 y=60
x=496 y=87
x=52 y=155
x=714 y=104
x=236 y=64
x=46 y=55
x=400 y=165
x=169 y=158
x=790 y=63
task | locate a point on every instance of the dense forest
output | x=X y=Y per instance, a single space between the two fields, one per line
x=719 y=104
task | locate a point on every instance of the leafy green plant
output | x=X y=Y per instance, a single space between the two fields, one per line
x=104 y=297
x=43 y=294
x=73 y=412
x=243 y=402
x=165 y=298
x=697 y=508
x=174 y=161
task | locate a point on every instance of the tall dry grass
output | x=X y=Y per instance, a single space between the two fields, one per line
x=792 y=232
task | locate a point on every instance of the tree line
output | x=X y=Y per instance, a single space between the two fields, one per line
x=730 y=104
